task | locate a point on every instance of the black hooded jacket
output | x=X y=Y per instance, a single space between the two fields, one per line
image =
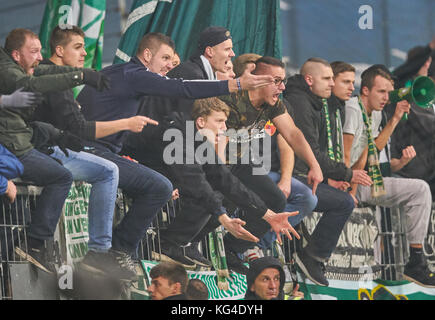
x=255 y=268
x=203 y=183
x=308 y=116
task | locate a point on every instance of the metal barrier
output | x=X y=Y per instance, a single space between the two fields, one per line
x=14 y=218
x=391 y=248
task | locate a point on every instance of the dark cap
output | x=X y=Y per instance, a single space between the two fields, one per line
x=212 y=36
x=258 y=265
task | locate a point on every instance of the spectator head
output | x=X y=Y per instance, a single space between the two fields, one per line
x=228 y=74
x=67 y=46
x=196 y=290
x=24 y=47
x=414 y=54
x=269 y=94
x=176 y=60
x=318 y=75
x=216 y=45
x=265 y=279
x=167 y=279
x=344 y=80
x=245 y=61
x=156 y=52
x=210 y=115
x=376 y=84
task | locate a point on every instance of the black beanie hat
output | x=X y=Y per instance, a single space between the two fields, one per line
x=212 y=36
x=258 y=265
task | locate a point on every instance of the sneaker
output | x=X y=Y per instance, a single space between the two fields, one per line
x=115 y=264
x=234 y=263
x=192 y=253
x=38 y=256
x=253 y=254
x=174 y=254
x=419 y=274
x=125 y=262
x=313 y=269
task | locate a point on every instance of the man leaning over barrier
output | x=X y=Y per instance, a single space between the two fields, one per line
x=204 y=182
x=132 y=81
x=362 y=142
x=19 y=68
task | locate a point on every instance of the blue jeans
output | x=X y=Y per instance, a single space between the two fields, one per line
x=301 y=199
x=46 y=172
x=103 y=176
x=149 y=190
x=336 y=206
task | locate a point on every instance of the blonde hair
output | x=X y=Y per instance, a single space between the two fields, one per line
x=204 y=107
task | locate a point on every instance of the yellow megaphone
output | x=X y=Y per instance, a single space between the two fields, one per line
x=421 y=91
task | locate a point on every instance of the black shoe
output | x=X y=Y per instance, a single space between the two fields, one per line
x=192 y=253
x=173 y=253
x=419 y=274
x=114 y=264
x=38 y=256
x=312 y=268
x=234 y=263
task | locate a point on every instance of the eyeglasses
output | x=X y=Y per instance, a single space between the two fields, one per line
x=278 y=81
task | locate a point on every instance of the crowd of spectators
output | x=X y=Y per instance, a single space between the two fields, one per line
x=241 y=143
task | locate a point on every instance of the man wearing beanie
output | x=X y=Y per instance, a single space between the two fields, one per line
x=213 y=51
x=265 y=280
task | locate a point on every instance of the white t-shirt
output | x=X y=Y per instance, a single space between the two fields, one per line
x=354 y=125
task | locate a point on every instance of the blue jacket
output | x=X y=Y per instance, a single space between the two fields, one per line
x=129 y=83
x=10 y=168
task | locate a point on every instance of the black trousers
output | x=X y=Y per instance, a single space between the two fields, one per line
x=194 y=222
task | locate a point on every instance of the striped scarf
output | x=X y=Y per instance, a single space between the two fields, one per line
x=337 y=154
x=375 y=174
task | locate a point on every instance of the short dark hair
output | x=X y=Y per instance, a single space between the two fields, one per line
x=153 y=41
x=341 y=66
x=196 y=290
x=62 y=36
x=172 y=271
x=369 y=75
x=16 y=38
x=271 y=61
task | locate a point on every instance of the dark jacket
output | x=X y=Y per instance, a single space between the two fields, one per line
x=180 y=296
x=205 y=183
x=310 y=119
x=409 y=69
x=10 y=168
x=255 y=268
x=62 y=110
x=132 y=81
x=15 y=133
x=418 y=131
x=157 y=108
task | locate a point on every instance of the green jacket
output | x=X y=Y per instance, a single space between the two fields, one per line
x=15 y=134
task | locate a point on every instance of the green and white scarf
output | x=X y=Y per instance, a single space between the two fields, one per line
x=337 y=154
x=375 y=174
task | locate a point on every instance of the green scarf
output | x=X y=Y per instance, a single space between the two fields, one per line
x=337 y=154
x=375 y=174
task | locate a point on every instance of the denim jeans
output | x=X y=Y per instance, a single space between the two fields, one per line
x=301 y=199
x=336 y=206
x=103 y=176
x=149 y=190
x=46 y=172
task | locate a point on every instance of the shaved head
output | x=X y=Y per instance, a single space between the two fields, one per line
x=311 y=66
x=319 y=76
